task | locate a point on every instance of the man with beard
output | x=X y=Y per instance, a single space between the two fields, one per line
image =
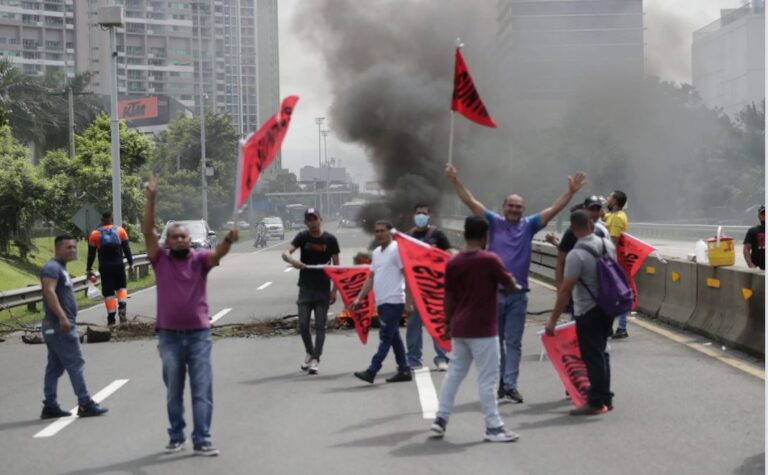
x=183 y=326
x=754 y=242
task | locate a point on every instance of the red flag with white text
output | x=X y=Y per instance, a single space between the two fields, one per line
x=260 y=148
x=564 y=353
x=349 y=281
x=466 y=100
x=424 y=269
x=630 y=254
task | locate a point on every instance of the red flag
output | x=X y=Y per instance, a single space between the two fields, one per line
x=563 y=351
x=349 y=281
x=466 y=100
x=424 y=269
x=630 y=254
x=261 y=147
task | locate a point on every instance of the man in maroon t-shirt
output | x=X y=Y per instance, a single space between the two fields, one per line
x=472 y=279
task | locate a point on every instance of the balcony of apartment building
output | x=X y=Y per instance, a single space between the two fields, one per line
x=159 y=53
x=31 y=20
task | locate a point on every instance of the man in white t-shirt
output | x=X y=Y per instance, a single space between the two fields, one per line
x=388 y=284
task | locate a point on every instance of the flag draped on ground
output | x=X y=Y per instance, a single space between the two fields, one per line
x=466 y=100
x=563 y=351
x=259 y=149
x=630 y=254
x=424 y=269
x=348 y=281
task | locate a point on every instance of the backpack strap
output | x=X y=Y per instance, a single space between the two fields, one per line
x=430 y=231
x=594 y=254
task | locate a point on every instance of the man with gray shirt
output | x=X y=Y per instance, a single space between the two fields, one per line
x=592 y=325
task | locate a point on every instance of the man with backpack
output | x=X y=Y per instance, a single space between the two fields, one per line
x=428 y=234
x=600 y=291
x=111 y=243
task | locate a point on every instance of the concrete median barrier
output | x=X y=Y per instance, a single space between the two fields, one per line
x=680 y=293
x=651 y=282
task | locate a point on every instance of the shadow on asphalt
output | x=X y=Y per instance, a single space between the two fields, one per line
x=433 y=446
x=136 y=465
x=376 y=421
x=298 y=376
x=383 y=440
x=552 y=407
x=562 y=420
x=20 y=424
x=752 y=465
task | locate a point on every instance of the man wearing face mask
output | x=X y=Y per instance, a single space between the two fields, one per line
x=183 y=326
x=428 y=234
x=754 y=242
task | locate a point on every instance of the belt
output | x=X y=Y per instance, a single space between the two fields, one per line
x=183 y=332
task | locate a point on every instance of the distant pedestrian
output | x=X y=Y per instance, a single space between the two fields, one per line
x=472 y=280
x=754 y=242
x=316 y=293
x=581 y=282
x=111 y=244
x=60 y=334
x=429 y=234
x=616 y=222
x=183 y=324
x=510 y=239
x=388 y=283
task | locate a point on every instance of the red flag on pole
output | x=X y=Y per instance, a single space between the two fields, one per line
x=261 y=147
x=349 y=281
x=564 y=353
x=630 y=254
x=424 y=269
x=466 y=100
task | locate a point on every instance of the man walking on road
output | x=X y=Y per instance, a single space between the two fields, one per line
x=431 y=235
x=60 y=334
x=616 y=221
x=388 y=284
x=111 y=243
x=472 y=280
x=316 y=293
x=510 y=239
x=581 y=281
x=183 y=325
x=754 y=242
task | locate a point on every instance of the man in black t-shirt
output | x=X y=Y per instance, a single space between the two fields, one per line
x=315 y=294
x=754 y=242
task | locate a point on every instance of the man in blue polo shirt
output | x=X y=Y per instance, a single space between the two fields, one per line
x=510 y=238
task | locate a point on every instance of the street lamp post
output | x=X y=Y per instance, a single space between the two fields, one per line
x=319 y=122
x=324 y=134
x=203 y=166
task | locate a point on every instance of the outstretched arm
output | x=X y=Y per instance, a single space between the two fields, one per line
x=223 y=247
x=574 y=184
x=464 y=194
x=150 y=238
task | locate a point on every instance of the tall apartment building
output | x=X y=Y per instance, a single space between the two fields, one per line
x=728 y=59
x=551 y=51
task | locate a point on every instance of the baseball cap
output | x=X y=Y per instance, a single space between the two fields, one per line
x=761 y=209
x=593 y=200
x=311 y=212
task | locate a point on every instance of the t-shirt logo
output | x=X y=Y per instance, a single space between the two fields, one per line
x=316 y=247
x=761 y=241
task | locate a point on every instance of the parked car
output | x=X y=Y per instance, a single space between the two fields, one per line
x=274 y=227
x=243 y=225
x=201 y=234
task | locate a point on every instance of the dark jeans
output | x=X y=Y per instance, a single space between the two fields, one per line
x=308 y=302
x=63 y=355
x=389 y=335
x=592 y=330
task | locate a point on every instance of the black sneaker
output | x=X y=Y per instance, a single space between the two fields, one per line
x=206 y=450
x=91 y=410
x=400 y=377
x=438 y=427
x=54 y=413
x=122 y=314
x=511 y=395
x=175 y=446
x=500 y=434
x=366 y=376
x=111 y=321
x=619 y=334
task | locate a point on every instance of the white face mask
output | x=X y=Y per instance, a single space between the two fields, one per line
x=421 y=220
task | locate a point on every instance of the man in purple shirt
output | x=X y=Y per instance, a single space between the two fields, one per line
x=182 y=325
x=510 y=239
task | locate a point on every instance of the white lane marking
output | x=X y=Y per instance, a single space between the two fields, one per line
x=270 y=247
x=288 y=269
x=220 y=315
x=264 y=286
x=60 y=424
x=427 y=393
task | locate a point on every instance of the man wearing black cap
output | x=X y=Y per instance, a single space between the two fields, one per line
x=593 y=205
x=317 y=248
x=754 y=242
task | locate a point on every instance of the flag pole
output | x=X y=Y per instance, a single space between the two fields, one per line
x=238 y=187
x=459 y=44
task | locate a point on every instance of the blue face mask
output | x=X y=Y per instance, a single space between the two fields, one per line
x=421 y=220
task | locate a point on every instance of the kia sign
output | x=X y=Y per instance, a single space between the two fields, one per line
x=138 y=109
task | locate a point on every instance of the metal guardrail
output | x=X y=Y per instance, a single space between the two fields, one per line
x=33 y=294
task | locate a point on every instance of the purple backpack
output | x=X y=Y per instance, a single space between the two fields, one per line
x=614 y=294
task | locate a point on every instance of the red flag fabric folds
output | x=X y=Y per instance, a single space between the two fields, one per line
x=564 y=353
x=349 y=281
x=424 y=269
x=630 y=254
x=466 y=100
x=261 y=147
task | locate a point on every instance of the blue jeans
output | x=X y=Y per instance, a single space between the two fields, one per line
x=63 y=355
x=181 y=352
x=485 y=352
x=622 y=322
x=512 y=312
x=389 y=336
x=413 y=341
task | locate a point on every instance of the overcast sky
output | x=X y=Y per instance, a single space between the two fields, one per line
x=669 y=26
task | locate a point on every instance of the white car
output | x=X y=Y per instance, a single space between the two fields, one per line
x=274 y=227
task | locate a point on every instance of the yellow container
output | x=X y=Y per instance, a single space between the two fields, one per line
x=721 y=251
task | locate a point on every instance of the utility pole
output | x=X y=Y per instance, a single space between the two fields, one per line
x=319 y=122
x=325 y=133
x=203 y=165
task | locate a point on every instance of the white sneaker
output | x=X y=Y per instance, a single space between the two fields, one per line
x=305 y=364
x=442 y=366
x=499 y=434
x=313 y=366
